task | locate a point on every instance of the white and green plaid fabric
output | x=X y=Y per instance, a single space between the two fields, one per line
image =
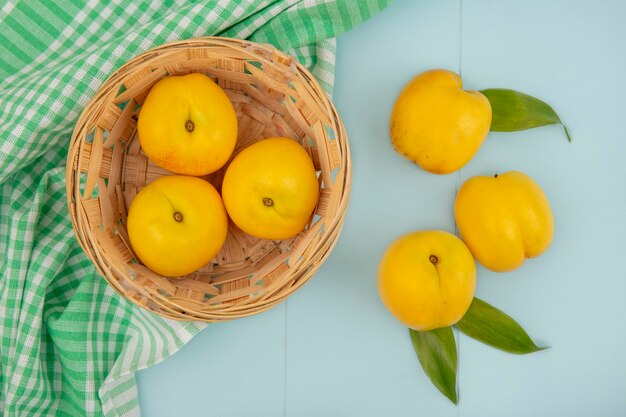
x=70 y=345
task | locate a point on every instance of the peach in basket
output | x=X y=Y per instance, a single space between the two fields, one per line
x=272 y=95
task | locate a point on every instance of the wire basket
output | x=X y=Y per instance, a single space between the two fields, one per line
x=273 y=95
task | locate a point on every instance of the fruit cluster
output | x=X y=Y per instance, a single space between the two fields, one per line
x=427 y=279
x=178 y=223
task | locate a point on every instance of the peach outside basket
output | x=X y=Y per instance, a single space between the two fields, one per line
x=273 y=95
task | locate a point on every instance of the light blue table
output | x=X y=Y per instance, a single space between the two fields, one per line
x=333 y=350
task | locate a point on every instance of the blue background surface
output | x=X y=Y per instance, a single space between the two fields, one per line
x=333 y=350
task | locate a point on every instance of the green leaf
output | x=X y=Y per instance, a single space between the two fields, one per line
x=436 y=351
x=491 y=326
x=513 y=111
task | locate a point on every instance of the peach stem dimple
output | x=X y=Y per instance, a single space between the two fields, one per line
x=433 y=259
x=189 y=126
x=268 y=201
x=178 y=216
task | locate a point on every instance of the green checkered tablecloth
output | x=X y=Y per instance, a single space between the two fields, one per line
x=70 y=345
